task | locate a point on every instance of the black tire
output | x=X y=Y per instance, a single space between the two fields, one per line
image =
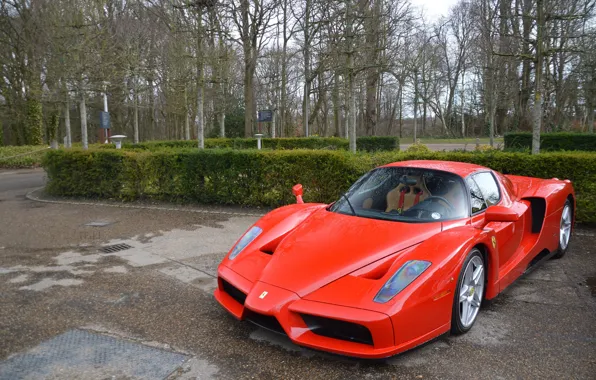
x=562 y=250
x=457 y=328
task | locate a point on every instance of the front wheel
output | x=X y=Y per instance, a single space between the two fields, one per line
x=469 y=293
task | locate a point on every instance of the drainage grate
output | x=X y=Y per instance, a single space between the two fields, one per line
x=79 y=354
x=115 y=248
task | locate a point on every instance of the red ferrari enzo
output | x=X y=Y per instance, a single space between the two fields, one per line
x=407 y=254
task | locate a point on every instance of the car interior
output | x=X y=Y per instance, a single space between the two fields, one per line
x=420 y=194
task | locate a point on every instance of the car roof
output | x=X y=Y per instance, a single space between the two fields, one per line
x=462 y=169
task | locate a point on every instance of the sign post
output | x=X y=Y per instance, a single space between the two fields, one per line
x=104 y=120
x=104 y=125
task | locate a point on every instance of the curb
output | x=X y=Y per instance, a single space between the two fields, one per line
x=32 y=197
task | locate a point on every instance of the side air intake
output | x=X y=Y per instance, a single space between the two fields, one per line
x=538 y=208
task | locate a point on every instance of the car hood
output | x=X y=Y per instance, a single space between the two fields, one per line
x=328 y=246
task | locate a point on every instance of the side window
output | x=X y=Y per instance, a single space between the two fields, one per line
x=476 y=198
x=488 y=187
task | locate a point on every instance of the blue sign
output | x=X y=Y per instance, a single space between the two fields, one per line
x=104 y=120
x=265 y=115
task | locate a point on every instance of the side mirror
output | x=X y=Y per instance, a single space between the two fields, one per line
x=297 y=191
x=500 y=214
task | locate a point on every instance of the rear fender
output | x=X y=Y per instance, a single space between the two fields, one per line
x=554 y=191
x=547 y=198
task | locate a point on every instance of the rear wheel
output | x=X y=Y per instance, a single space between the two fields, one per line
x=564 y=230
x=469 y=293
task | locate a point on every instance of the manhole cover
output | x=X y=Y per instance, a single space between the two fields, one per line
x=98 y=223
x=115 y=248
x=79 y=354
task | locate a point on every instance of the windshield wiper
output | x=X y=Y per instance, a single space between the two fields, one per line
x=349 y=204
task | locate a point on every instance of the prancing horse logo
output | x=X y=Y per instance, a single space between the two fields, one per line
x=263 y=295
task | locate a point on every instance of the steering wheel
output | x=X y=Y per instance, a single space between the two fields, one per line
x=434 y=198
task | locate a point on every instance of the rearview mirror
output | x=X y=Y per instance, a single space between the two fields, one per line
x=500 y=214
x=297 y=191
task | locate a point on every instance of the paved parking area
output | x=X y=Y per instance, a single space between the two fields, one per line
x=154 y=295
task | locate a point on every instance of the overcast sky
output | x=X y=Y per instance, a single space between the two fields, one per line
x=434 y=8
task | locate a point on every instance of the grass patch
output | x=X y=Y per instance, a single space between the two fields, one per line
x=22 y=159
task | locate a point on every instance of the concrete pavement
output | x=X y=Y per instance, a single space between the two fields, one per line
x=55 y=279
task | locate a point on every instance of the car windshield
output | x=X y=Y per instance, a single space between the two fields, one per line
x=405 y=195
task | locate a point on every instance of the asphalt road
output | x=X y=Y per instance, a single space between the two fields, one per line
x=19 y=180
x=158 y=294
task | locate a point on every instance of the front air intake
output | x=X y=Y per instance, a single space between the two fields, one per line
x=233 y=292
x=336 y=329
x=268 y=322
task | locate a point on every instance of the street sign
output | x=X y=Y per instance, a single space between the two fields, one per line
x=104 y=120
x=265 y=116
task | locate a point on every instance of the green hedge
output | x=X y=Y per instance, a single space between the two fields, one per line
x=242 y=177
x=552 y=141
x=369 y=144
x=264 y=178
x=377 y=143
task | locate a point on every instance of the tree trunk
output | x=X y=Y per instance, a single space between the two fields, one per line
x=463 y=122
x=151 y=110
x=221 y=119
x=307 y=79
x=401 y=107
x=200 y=117
x=306 y=107
x=351 y=97
x=284 y=72
x=371 y=101
x=336 y=106
x=83 y=110
x=136 y=118
x=186 y=116
x=492 y=105
x=273 y=120
x=248 y=99
x=536 y=128
x=67 y=122
x=352 y=112
x=526 y=81
x=415 y=104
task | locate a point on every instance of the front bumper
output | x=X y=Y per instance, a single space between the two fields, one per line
x=322 y=326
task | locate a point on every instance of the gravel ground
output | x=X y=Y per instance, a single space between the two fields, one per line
x=158 y=292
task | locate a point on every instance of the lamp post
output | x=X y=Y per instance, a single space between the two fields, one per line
x=259 y=136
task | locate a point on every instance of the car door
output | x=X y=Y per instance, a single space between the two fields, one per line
x=509 y=234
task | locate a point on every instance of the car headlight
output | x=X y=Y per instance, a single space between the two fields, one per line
x=248 y=237
x=402 y=278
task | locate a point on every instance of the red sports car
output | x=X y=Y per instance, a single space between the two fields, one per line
x=407 y=254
